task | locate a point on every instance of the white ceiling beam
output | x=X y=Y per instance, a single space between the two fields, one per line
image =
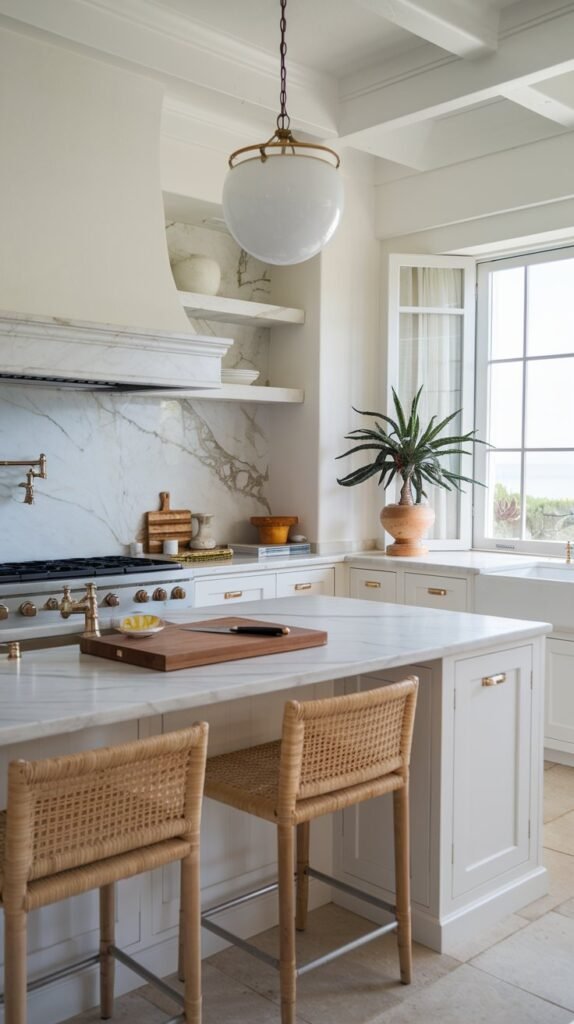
x=553 y=99
x=391 y=97
x=466 y=135
x=463 y=27
x=516 y=179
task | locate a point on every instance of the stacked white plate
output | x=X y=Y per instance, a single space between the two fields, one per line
x=238 y=376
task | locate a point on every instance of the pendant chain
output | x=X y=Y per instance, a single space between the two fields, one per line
x=283 y=120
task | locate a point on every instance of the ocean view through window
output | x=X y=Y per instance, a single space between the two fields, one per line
x=525 y=402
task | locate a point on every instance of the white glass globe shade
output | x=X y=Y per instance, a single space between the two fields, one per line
x=284 y=209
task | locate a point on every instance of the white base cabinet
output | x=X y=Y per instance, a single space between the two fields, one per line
x=476 y=783
x=559 y=710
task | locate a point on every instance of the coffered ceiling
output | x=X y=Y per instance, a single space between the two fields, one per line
x=420 y=84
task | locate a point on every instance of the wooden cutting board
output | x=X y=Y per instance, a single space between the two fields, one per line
x=175 y=648
x=167 y=524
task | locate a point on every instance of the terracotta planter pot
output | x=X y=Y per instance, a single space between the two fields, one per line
x=407 y=524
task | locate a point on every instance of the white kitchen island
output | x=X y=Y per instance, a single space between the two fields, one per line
x=476 y=773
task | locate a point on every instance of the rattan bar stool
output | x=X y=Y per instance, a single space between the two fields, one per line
x=87 y=820
x=333 y=753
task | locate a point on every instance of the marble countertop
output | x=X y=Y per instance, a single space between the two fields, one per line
x=472 y=562
x=61 y=690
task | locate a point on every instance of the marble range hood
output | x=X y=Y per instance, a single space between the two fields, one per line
x=86 y=284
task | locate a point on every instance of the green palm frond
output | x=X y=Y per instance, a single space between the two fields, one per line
x=401 y=448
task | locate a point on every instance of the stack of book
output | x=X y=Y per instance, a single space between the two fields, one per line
x=270 y=550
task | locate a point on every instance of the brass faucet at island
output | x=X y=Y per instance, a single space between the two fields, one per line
x=88 y=604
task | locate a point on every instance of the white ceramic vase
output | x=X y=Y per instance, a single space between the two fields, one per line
x=196 y=273
x=203 y=540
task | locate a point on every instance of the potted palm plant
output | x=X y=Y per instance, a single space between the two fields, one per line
x=403 y=449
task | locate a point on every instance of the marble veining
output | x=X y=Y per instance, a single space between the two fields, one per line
x=109 y=455
x=242 y=277
x=55 y=691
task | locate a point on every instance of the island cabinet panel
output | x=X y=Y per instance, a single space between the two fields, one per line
x=435 y=591
x=559 y=725
x=234 y=589
x=491 y=776
x=367 y=845
x=374 y=584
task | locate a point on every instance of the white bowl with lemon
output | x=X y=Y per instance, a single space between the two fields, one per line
x=140 y=626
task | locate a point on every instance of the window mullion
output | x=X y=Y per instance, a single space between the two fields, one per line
x=523 y=430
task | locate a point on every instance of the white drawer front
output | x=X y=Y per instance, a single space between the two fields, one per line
x=303 y=582
x=234 y=589
x=373 y=584
x=435 y=591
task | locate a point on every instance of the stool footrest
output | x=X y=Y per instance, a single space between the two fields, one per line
x=223 y=933
x=62 y=972
x=248 y=947
x=375 y=933
x=351 y=890
x=149 y=976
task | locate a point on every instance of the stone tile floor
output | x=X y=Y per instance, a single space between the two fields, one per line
x=519 y=972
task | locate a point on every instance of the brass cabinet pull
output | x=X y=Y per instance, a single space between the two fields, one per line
x=437 y=591
x=372 y=583
x=303 y=586
x=233 y=593
x=494 y=680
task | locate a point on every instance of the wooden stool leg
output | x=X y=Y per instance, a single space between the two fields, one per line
x=402 y=876
x=107 y=939
x=287 y=966
x=191 y=933
x=302 y=876
x=15 y=967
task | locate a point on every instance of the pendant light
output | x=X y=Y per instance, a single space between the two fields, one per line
x=283 y=199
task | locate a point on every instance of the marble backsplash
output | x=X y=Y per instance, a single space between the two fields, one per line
x=242 y=277
x=109 y=455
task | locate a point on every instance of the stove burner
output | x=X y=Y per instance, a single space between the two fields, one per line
x=71 y=568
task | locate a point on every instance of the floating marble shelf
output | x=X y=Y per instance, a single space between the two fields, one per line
x=239 y=311
x=238 y=393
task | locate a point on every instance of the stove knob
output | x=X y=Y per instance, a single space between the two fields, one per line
x=159 y=594
x=111 y=600
x=178 y=594
x=4 y=611
x=28 y=608
x=141 y=596
x=51 y=604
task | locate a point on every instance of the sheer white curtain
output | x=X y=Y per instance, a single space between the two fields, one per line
x=430 y=353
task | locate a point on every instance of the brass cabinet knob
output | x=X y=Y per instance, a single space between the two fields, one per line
x=4 y=611
x=51 y=604
x=178 y=594
x=28 y=608
x=141 y=596
x=111 y=600
x=159 y=594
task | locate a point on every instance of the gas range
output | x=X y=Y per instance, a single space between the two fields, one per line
x=31 y=591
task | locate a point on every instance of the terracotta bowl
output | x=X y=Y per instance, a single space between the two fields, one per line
x=273 y=529
x=407 y=524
